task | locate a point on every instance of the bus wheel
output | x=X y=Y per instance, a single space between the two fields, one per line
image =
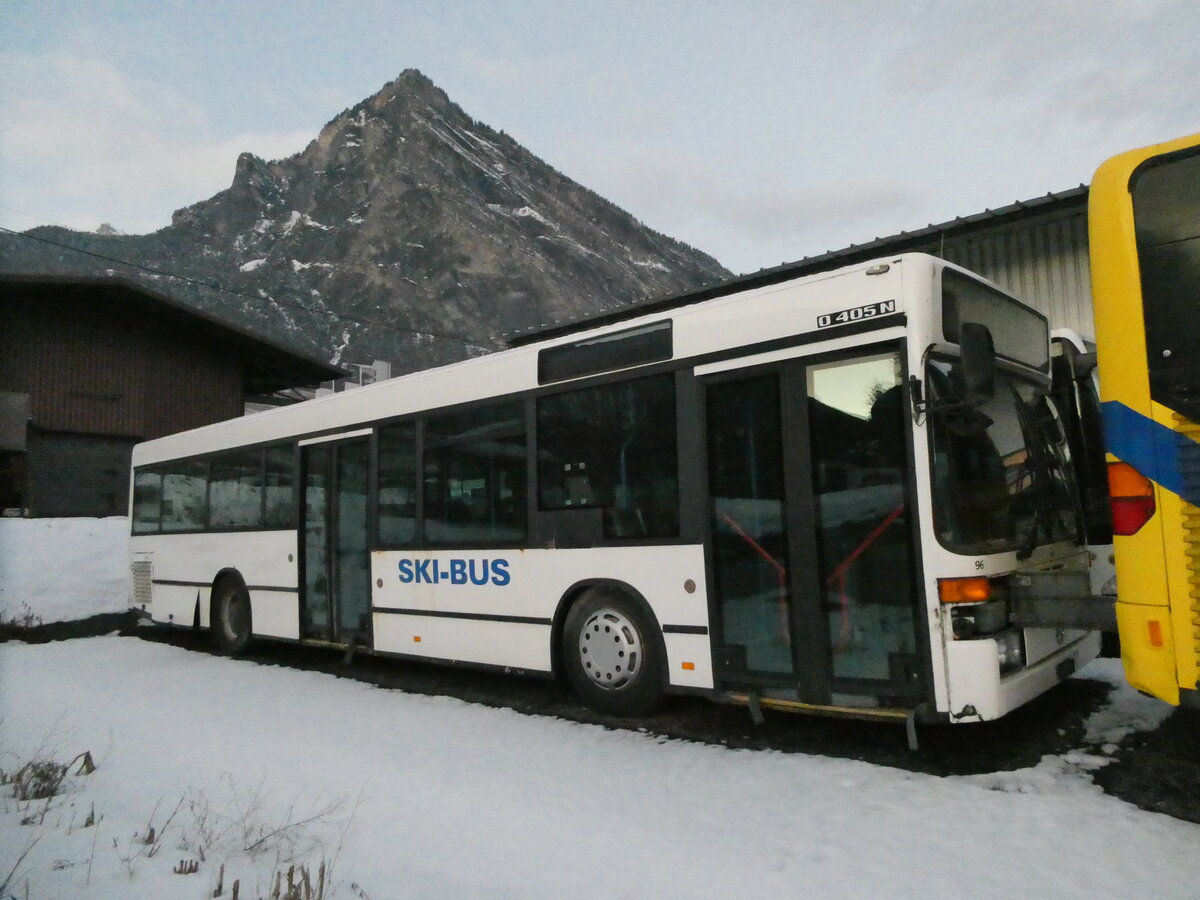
x=231 y=623
x=612 y=655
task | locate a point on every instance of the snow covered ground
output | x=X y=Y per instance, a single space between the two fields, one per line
x=57 y=570
x=254 y=767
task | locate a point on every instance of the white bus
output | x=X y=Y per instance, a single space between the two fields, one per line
x=815 y=493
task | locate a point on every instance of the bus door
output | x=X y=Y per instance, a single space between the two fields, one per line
x=336 y=600
x=813 y=564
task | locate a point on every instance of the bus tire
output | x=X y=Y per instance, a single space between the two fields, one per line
x=232 y=623
x=613 y=654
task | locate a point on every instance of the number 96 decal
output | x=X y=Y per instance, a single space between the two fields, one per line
x=870 y=311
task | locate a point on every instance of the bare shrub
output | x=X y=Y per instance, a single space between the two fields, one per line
x=40 y=779
x=21 y=621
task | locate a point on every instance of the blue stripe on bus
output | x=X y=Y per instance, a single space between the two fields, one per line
x=1155 y=450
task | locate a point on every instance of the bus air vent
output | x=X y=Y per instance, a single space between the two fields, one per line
x=143 y=573
x=1189 y=466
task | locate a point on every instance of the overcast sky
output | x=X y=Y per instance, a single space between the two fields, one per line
x=759 y=132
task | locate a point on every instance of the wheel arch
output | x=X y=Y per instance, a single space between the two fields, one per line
x=572 y=595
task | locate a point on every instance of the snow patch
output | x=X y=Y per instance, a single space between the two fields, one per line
x=298 y=266
x=1127 y=710
x=341 y=348
x=571 y=242
x=650 y=264
x=297 y=219
x=528 y=212
x=252 y=265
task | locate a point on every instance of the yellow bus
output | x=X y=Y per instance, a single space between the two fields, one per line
x=1144 y=237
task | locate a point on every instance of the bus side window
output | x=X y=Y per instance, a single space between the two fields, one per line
x=279 y=501
x=147 y=500
x=474 y=474
x=398 y=483
x=235 y=488
x=614 y=447
x=185 y=486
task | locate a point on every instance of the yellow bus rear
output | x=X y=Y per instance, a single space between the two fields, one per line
x=1144 y=237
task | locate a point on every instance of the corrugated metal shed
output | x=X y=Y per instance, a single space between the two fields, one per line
x=1039 y=253
x=1036 y=249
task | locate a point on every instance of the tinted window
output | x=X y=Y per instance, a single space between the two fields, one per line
x=856 y=422
x=147 y=500
x=398 y=483
x=606 y=353
x=183 y=493
x=1166 y=205
x=474 y=474
x=235 y=490
x=749 y=524
x=613 y=447
x=1018 y=332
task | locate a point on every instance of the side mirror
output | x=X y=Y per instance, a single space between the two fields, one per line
x=1083 y=364
x=978 y=362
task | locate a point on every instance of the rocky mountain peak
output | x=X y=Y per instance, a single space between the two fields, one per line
x=408 y=231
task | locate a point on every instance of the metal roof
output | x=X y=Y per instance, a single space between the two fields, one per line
x=902 y=242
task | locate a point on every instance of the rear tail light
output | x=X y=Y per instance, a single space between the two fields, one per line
x=1132 y=497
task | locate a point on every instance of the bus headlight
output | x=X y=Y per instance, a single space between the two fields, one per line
x=1009 y=651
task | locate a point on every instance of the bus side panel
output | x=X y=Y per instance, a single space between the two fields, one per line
x=497 y=607
x=275 y=613
x=185 y=565
x=175 y=604
x=1146 y=654
x=513 y=645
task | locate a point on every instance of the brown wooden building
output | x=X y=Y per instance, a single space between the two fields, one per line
x=90 y=366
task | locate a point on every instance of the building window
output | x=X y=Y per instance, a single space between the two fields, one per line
x=12 y=482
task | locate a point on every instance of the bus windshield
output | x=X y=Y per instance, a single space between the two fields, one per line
x=1001 y=477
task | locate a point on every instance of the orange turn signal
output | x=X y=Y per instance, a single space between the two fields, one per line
x=1154 y=632
x=964 y=590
